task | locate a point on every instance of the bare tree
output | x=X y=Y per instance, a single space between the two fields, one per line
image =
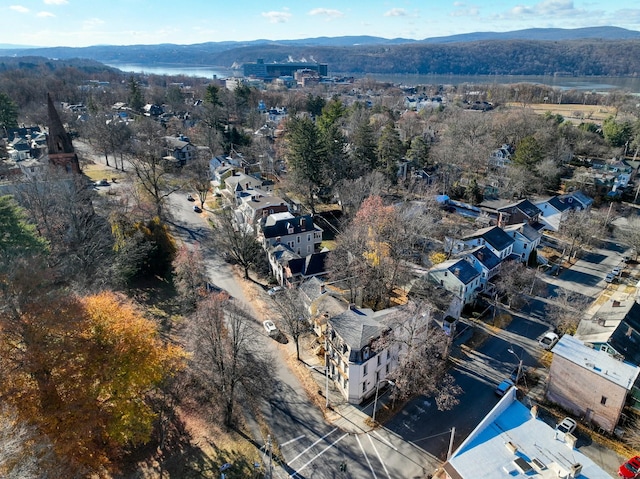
x=566 y=310
x=227 y=363
x=189 y=274
x=151 y=169
x=200 y=175
x=422 y=349
x=581 y=228
x=294 y=317
x=237 y=240
x=516 y=282
x=630 y=234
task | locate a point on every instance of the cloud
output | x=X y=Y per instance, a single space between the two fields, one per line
x=277 y=17
x=464 y=10
x=45 y=14
x=547 y=8
x=395 y=12
x=91 y=23
x=56 y=2
x=329 y=13
x=19 y=9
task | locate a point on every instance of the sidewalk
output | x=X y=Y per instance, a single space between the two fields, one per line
x=350 y=418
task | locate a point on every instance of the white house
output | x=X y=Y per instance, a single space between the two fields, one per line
x=458 y=277
x=354 y=364
x=494 y=238
x=526 y=239
x=299 y=233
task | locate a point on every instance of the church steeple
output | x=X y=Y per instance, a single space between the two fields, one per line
x=61 y=152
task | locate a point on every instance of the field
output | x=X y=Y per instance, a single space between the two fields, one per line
x=574 y=113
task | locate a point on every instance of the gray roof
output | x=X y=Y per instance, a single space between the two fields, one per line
x=358 y=327
x=464 y=271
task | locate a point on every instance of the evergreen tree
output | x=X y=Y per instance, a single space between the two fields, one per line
x=8 y=112
x=136 y=99
x=390 y=152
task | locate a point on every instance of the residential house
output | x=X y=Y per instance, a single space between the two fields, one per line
x=511 y=441
x=493 y=237
x=615 y=329
x=236 y=184
x=180 y=148
x=299 y=233
x=521 y=212
x=501 y=157
x=291 y=269
x=485 y=262
x=556 y=209
x=589 y=383
x=526 y=239
x=458 y=277
x=322 y=302
x=256 y=204
x=354 y=363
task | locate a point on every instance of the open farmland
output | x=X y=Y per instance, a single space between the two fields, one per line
x=574 y=113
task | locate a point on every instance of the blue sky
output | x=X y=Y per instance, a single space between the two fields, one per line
x=128 y=22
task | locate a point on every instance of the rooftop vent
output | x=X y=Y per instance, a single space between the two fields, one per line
x=576 y=470
x=538 y=464
x=511 y=446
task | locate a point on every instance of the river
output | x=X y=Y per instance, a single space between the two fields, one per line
x=591 y=84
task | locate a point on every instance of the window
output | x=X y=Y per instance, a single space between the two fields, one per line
x=387 y=369
x=379 y=359
x=308 y=249
x=308 y=237
x=525 y=246
x=364 y=387
x=364 y=370
x=298 y=238
x=377 y=377
x=603 y=400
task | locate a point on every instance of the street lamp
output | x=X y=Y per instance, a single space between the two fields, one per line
x=375 y=402
x=519 y=364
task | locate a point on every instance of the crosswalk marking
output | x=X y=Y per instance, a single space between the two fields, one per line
x=379 y=458
x=319 y=454
x=365 y=456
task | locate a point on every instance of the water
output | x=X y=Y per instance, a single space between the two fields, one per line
x=202 y=71
x=592 y=84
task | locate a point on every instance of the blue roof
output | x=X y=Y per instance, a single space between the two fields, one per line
x=486 y=257
x=464 y=271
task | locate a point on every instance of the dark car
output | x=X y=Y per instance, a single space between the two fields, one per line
x=190 y=197
x=197 y=209
x=631 y=468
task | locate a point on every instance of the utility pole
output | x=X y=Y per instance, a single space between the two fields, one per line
x=450 y=451
x=269 y=467
x=326 y=378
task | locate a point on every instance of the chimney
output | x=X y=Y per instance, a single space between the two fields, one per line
x=616 y=304
x=576 y=470
x=323 y=288
x=534 y=411
x=233 y=172
x=456 y=271
x=511 y=446
x=570 y=440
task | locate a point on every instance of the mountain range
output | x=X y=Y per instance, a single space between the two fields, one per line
x=583 y=51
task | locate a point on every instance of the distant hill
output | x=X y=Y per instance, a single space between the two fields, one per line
x=545 y=34
x=603 y=51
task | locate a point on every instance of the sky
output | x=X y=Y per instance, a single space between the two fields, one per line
x=78 y=23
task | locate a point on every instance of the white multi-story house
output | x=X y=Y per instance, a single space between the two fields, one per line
x=299 y=233
x=494 y=238
x=256 y=204
x=485 y=262
x=458 y=277
x=526 y=239
x=353 y=362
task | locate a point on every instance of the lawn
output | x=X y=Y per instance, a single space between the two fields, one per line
x=574 y=113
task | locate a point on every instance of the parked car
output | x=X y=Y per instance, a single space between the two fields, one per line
x=190 y=197
x=549 y=340
x=197 y=209
x=275 y=290
x=102 y=182
x=504 y=386
x=617 y=270
x=610 y=277
x=631 y=468
x=567 y=426
x=270 y=328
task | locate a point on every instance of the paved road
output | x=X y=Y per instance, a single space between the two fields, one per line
x=310 y=446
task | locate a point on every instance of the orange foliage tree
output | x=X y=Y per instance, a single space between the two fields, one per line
x=81 y=369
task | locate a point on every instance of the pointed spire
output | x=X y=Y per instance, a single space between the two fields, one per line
x=61 y=152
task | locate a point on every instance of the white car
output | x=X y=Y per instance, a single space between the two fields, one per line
x=567 y=426
x=617 y=270
x=549 y=340
x=270 y=328
x=275 y=290
x=610 y=277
